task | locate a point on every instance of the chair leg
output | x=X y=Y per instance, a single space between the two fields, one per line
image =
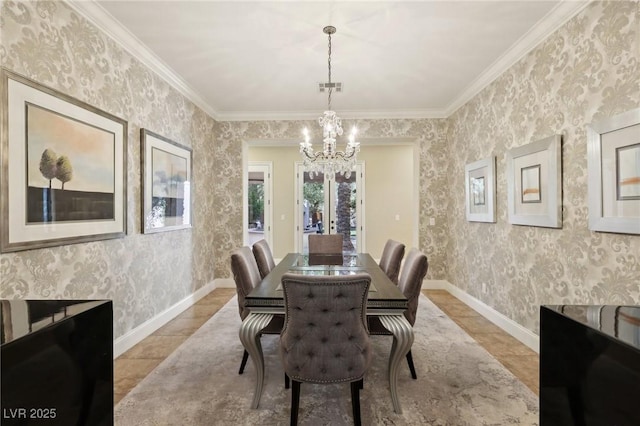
x=245 y=357
x=411 y=367
x=286 y=381
x=295 y=401
x=355 y=401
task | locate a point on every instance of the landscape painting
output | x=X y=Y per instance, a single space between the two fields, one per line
x=66 y=182
x=169 y=177
x=480 y=190
x=530 y=184
x=477 y=189
x=70 y=169
x=167 y=184
x=628 y=159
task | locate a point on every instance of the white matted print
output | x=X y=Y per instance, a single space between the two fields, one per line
x=480 y=190
x=614 y=173
x=63 y=167
x=166 y=182
x=534 y=183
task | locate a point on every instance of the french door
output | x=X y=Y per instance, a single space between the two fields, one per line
x=330 y=205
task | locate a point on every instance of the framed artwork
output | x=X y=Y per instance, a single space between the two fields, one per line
x=63 y=168
x=166 y=183
x=534 y=183
x=614 y=173
x=480 y=190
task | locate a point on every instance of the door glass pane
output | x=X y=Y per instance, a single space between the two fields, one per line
x=345 y=211
x=256 y=206
x=312 y=207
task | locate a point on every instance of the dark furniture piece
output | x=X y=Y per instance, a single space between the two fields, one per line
x=385 y=300
x=589 y=365
x=56 y=362
x=325 y=338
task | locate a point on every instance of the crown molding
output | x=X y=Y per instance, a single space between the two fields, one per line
x=102 y=19
x=551 y=22
x=344 y=114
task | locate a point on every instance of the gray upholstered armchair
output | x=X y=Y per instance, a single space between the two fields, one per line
x=410 y=282
x=325 y=338
x=246 y=275
x=391 y=259
x=264 y=257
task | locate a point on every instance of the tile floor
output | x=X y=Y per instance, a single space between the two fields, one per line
x=132 y=366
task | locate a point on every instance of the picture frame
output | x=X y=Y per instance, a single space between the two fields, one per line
x=166 y=183
x=613 y=168
x=534 y=183
x=480 y=190
x=64 y=168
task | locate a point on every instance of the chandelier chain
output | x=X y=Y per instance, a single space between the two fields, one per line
x=329 y=63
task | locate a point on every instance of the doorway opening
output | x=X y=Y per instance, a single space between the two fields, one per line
x=330 y=205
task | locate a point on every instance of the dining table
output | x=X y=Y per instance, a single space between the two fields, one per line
x=385 y=300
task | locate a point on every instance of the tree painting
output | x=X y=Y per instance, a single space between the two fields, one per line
x=52 y=166
x=80 y=156
x=64 y=171
x=48 y=165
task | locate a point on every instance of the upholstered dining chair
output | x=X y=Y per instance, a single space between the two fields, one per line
x=247 y=276
x=391 y=259
x=264 y=257
x=325 y=339
x=410 y=282
x=325 y=244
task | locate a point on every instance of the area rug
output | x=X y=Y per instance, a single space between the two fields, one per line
x=459 y=383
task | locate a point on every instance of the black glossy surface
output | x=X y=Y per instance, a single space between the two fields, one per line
x=56 y=363
x=589 y=365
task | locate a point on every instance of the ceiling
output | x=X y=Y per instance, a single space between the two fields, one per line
x=262 y=60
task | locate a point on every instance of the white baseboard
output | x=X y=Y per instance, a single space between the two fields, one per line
x=135 y=336
x=519 y=332
x=225 y=283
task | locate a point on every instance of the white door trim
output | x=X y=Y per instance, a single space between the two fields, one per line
x=266 y=167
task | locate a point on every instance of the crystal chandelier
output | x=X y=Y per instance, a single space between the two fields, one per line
x=330 y=161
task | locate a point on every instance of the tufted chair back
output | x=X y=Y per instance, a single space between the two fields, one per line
x=391 y=259
x=410 y=281
x=245 y=274
x=325 y=338
x=264 y=257
x=325 y=244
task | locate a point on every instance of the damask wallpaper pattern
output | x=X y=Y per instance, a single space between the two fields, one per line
x=52 y=44
x=585 y=71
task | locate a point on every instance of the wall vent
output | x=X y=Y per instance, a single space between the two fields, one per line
x=323 y=87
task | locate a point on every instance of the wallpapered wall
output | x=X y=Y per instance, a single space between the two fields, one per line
x=588 y=70
x=144 y=274
x=431 y=138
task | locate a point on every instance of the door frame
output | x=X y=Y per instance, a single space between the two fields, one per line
x=266 y=167
x=360 y=191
